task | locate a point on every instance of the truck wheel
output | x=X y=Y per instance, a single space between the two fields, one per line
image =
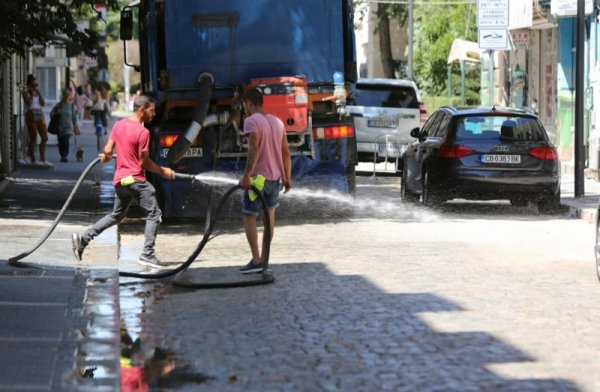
x=351 y=178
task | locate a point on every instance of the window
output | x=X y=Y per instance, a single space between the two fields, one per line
x=430 y=126
x=442 y=126
x=375 y=95
x=46 y=77
x=503 y=128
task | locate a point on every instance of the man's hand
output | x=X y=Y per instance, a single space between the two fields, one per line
x=77 y=130
x=168 y=173
x=104 y=158
x=245 y=181
x=287 y=185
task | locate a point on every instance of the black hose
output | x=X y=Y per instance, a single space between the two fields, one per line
x=211 y=221
x=14 y=260
x=266 y=276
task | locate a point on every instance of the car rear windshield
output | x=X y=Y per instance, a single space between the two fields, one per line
x=386 y=96
x=505 y=128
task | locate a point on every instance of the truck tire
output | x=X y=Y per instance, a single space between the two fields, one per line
x=351 y=179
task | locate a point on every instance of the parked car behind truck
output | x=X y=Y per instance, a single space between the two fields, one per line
x=385 y=111
x=199 y=56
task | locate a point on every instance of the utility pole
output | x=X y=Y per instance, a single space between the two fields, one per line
x=411 y=29
x=579 y=100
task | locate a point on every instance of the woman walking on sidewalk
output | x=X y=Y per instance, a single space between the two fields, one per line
x=34 y=119
x=68 y=123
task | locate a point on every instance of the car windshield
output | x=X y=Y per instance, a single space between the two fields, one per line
x=499 y=127
x=385 y=96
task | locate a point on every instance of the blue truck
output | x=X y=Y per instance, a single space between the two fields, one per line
x=199 y=56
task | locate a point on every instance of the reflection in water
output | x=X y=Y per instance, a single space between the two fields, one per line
x=145 y=367
x=140 y=370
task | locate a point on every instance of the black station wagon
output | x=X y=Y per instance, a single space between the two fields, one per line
x=482 y=154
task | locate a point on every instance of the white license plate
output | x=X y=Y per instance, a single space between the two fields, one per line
x=192 y=152
x=382 y=123
x=388 y=150
x=509 y=159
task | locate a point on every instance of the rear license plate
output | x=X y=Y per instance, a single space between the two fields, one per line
x=388 y=150
x=378 y=123
x=509 y=159
x=193 y=152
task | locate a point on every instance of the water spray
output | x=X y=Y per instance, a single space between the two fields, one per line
x=265 y=278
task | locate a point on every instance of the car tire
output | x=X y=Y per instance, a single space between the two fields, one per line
x=549 y=204
x=519 y=202
x=405 y=193
x=428 y=197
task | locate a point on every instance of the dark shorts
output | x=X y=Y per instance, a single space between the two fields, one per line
x=271 y=194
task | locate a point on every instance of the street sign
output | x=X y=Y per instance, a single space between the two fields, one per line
x=493 y=39
x=492 y=13
x=51 y=61
x=568 y=8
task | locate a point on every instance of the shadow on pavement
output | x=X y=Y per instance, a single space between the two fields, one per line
x=315 y=330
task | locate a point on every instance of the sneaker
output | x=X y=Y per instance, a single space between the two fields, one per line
x=37 y=163
x=252 y=268
x=78 y=246
x=47 y=164
x=64 y=160
x=151 y=261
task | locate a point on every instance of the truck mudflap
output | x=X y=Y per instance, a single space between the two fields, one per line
x=313 y=173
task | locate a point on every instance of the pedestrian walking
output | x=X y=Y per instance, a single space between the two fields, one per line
x=35 y=122
x=267 y=167
x=132 y=141
x=68 y=124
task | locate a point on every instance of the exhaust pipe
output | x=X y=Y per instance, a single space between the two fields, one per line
x=182 y=144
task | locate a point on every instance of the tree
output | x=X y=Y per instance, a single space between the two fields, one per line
x=30 y=23
x=435 y=28
x=386 y=12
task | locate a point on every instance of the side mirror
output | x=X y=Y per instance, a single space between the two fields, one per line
x=126 y=28
x=414 y=132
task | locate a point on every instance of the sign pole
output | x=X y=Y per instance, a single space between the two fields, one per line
x=491 y=77
x=579 y=100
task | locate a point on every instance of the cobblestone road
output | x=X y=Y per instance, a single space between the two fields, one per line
x=385 y=296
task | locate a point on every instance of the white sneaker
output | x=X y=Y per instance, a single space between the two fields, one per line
x=47 y=164
x=37 y=163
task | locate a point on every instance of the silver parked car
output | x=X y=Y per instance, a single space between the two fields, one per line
x=385 y=111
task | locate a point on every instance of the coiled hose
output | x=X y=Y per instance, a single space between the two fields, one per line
x=265 y=278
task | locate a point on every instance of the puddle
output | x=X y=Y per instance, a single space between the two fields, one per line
x=144 y=365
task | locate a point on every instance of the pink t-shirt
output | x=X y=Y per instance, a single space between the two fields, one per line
x=131 y=138
x=270 y=130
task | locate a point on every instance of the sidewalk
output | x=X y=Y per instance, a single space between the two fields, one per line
x=580 y=207
x=61 y=323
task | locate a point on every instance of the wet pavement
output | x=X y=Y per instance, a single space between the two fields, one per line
x=324 y=325
x=60 y=324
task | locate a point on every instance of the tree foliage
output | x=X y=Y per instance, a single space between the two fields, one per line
x=435 y=28
x=25 y=24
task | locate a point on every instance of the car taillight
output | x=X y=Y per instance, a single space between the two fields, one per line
x=454 y=151
x=423 y=112
x=336 y=132
x=168 y=140
x=544 y=153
